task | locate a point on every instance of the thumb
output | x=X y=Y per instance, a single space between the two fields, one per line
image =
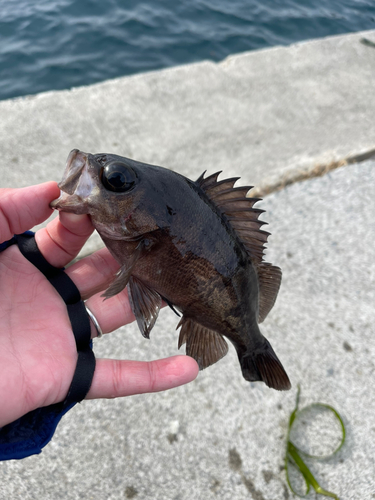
x=23 y=208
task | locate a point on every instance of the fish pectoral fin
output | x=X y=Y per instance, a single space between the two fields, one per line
x=119 y=283
x=145 y=304
x=123 y=276
x=269 y=277
x=204 y=345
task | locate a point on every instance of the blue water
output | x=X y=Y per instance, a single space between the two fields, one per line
x=59 y=44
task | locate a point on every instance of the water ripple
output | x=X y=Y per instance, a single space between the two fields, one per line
x=58 y=44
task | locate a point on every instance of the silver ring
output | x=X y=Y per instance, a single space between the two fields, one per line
x=95 y=323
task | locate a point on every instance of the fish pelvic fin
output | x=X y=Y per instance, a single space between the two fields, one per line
x=145 y=304
x=204 y=345
x=262 y=364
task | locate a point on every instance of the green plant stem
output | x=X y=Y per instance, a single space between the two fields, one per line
x=307 y=474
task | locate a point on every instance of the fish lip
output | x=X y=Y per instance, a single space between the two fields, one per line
x=75 y=163
x=69 y=203
x=68 y=200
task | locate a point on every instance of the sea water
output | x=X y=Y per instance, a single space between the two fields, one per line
x=59 y=44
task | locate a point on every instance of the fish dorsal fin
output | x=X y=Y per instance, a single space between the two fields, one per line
x=269 y=283
x=241 y=215
x=145 y=304
x=204 y=345
x=239 y=212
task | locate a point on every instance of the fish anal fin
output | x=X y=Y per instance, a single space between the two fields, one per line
x=119 y=283
x=269 y=278
x=262 y=364
x=204 y=345
x=145 y=304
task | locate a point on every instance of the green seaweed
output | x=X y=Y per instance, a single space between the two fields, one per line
x=294 y=454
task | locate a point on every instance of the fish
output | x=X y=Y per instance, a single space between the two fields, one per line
x=197 y=246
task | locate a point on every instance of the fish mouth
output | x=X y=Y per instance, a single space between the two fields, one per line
x=75 y=186
x=69 y=203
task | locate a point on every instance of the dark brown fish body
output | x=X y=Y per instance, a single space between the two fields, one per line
x=197 y=245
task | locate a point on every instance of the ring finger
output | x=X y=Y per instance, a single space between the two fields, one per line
x=112 y=314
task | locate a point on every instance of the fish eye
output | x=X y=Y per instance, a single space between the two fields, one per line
x=118 y=177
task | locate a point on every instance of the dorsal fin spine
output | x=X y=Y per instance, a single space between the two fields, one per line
x=201 y=177
x=238 y=211
x=243 y=189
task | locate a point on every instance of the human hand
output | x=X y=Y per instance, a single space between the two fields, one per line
x=38 y=353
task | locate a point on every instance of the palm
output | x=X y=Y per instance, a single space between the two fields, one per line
x=38 y=352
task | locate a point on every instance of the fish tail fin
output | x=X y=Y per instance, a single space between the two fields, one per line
x=262 y=364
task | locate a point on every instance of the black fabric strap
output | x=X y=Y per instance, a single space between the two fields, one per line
x=82 y=377
x=57 y=277
x=78 y=316
x=80 y=324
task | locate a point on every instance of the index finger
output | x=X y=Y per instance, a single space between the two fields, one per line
x=23 y=208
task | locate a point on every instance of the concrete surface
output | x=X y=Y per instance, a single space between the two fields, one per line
x=257 y=115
